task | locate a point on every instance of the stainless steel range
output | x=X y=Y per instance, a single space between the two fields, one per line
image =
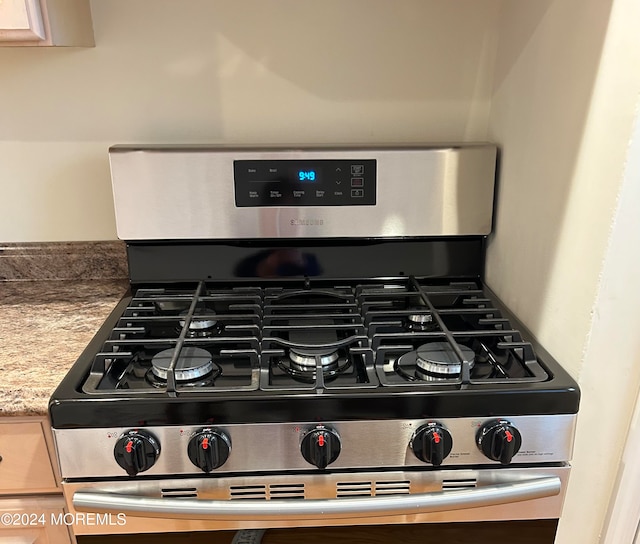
x=308 y=341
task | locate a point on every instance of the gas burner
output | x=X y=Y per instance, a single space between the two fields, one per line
x=439 y=360
x=314 y=342
x=420 y=322
x=193 y=365
x=200 y=327
x=435 y=361
x=301 y=364
x=304 y=360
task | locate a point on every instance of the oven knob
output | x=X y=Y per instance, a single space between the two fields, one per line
x=431 y=443
x=499 y=440
x=321 y=446
x=209 y=449
x=136 y=451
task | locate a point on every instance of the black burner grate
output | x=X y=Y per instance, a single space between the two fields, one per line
x=223 y=323
x=460 y=315
x=345 y=337
x=314 y=339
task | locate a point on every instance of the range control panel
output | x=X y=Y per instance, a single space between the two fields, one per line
x=301 y=446
x=316 y=182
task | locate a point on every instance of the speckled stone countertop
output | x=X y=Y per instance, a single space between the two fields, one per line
x=44 y=326
x=37 y=261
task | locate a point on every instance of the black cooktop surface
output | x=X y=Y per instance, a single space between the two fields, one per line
x=196 y=353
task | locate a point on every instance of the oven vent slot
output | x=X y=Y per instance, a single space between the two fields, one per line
x=393 y=487
x=354 y=489
x=462 y=483
x=371 y=489
x=271 y=492
x=286 y=491
x=179 y=492
x=248 y=492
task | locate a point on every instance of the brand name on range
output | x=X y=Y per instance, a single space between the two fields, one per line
x=306 y=222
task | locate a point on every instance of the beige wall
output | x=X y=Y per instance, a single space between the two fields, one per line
x=230 y=71
x=617 y=319
x=563 y=106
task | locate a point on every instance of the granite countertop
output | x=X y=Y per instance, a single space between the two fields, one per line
x=44 y=326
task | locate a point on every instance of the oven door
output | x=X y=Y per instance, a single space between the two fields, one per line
x=364 y=498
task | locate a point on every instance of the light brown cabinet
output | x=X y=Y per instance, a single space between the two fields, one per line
x=33 y=520
x=26 y=466
x=46 y=23
x=31 y=502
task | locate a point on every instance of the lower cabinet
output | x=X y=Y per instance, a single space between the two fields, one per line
x=31 y=501
x=34 y=520
x=26 y=466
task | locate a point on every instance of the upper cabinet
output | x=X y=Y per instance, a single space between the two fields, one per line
x=46 y=23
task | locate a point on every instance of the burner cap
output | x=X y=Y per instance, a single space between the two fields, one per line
x=199 y=323
x=305 y=359
x=439 y=359
x=192 y=364
x=420 y=319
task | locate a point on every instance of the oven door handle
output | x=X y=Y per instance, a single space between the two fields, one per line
x=286 y=509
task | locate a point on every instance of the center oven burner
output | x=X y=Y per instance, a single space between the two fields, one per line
x=302 y=367
x=305 y=360
x=315 y=342
x=192 y=364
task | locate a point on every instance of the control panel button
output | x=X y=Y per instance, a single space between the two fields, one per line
x=357 y=193
x=357 y=169
x=357 y=182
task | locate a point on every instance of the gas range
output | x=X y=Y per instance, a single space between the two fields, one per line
x=263 y=354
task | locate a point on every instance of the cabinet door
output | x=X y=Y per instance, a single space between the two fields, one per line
x=33 y=521
x=25 y=466
x=21 y=20
x=27 y=23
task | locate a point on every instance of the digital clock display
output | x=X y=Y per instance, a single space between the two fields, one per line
x=304 y=182
x=307 y=175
